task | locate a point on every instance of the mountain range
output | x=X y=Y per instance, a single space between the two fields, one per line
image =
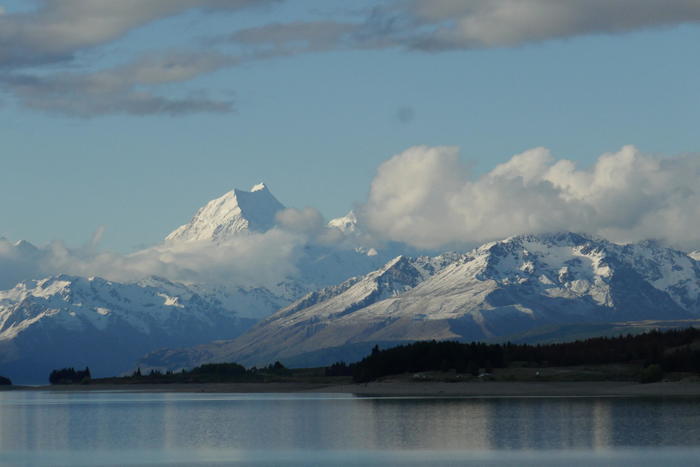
x=345 y=298
x=73 y=321
x=62 y=320
x=498 y=290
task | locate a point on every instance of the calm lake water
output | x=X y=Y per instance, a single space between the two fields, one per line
x=139 y=429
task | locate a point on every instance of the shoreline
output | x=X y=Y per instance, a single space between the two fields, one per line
x=407 y=389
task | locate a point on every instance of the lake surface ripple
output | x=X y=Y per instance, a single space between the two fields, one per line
x=146 y=429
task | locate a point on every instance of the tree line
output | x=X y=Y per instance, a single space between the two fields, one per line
x=655 y=352
x=671 y=350
x=70 y=376
x=207 y=373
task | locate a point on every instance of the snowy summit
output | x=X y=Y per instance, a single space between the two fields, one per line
x=346 y=224
x=236 y=212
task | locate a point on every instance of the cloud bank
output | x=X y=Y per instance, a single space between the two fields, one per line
x=252 y=259
x=439 y=25
x=425 y=197
x=47 y=53
x=249 y=260
x=57 y=34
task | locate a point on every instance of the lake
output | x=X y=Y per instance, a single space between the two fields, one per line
x=145 y=429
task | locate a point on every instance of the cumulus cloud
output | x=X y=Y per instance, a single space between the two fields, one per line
x=310 y=223
x=426 y=197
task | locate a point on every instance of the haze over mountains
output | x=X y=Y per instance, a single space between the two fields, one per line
x=107 y=325
x=342 y=294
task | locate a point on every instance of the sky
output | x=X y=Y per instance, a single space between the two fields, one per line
x=127 y=116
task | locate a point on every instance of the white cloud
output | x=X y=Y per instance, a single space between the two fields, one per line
x=251 y=259
x=256 y=259
x=426 y=198
x=306 y=221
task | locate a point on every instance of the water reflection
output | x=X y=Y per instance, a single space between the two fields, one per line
x=548 y=424
x=137 y=426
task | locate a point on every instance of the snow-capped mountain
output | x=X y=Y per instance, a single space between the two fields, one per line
x=235 y=212
x=252 y=303
x=499 y=289
x=17 y=260
x=72 y=321
x=244 y=212
x=67 y=320
x=346 y=224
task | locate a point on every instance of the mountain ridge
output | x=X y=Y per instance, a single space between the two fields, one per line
x=501 y=288
x=69 y=320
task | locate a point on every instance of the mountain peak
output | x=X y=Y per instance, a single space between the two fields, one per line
x=234 y=213
x=24 y=246
x=259 y=187
x=346 y=224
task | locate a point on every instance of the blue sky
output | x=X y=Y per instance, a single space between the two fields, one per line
x=316 y=124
